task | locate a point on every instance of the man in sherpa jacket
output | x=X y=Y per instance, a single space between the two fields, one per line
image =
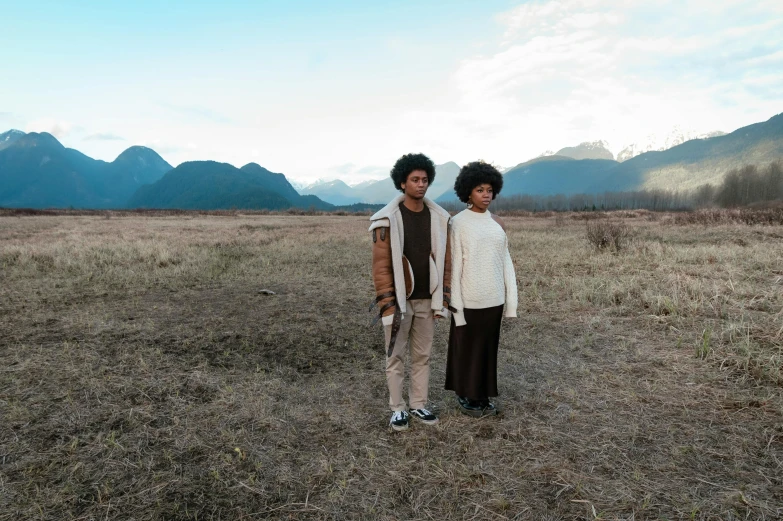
x=410 y=261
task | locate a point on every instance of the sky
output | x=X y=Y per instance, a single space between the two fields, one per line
x=341 y=89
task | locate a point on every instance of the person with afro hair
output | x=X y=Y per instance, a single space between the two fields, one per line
x=408 y=164
x=483 y=290
x=410 y=270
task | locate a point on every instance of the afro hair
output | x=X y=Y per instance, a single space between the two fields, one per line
x=474 y=174
x=407 y=164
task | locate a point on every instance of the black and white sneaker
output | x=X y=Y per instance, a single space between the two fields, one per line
x=399 y=421
x=424 y=416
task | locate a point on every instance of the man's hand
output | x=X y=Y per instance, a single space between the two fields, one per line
x=443 y=313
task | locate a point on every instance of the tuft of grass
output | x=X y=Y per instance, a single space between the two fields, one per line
x=606 y=235
x=703 y=349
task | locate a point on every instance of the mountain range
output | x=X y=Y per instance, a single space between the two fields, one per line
x=380 y=191
x=683 y=167
x=37 y=171
x=208 y=185
x=661 y=142
x=650 y=143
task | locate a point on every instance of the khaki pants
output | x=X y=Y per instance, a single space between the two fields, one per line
x=416 y=330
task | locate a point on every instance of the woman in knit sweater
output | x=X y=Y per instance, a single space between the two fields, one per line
x=482 y=283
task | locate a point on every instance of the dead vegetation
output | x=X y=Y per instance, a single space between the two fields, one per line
x=605 y=235
x=750 y=216
x=144 y=375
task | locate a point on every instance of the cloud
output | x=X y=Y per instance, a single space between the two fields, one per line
x=567 y=71
x=58 y=129
x=104 y=136
x=352 y=173
x=168 y=147
x=346 y=168
x=379 y=172
x=192 y=112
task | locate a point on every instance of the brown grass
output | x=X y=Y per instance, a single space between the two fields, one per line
x=606 y=235
x=751 y=216
x=144 y=376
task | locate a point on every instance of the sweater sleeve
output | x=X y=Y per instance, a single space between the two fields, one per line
x=456 y=276
x=510 y=278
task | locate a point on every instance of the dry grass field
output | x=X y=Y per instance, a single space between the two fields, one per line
x=143 y=375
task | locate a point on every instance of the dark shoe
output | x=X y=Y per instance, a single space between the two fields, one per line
x=424 y=416
x=488 y=407
x=399 y=421
x=470 y=407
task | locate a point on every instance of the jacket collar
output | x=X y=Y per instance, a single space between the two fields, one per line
x=394 y=206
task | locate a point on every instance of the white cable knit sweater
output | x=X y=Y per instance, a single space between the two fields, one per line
x=482 y=274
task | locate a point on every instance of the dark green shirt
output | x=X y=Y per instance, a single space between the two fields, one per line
x=417 y=248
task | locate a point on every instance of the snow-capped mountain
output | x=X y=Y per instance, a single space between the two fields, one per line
x=660 y=142
x=584 y=150
x=299 y=185
x=587 y=150
x=652 y=142
x=323 y=181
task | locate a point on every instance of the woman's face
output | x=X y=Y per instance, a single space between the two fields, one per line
x=481 y=197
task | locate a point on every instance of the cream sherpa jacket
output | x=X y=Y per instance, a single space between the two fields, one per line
x=390 y=217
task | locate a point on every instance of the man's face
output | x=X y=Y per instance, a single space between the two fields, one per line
x=416 y=185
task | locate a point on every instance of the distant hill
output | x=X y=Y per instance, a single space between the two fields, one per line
x=133 y=168
x=382 y=191
x=335 y=192
x=550 y=175
x=140 y=166
x=540 y=159
x=208 y=185
x=8 y=138
x=587 y=150
x=273 y=181
x=445 y=175
x=37 y=171
x=542 y=174
x=564 y=176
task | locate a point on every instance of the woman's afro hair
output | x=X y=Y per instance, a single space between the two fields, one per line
x=474 y=174
x=407 y=164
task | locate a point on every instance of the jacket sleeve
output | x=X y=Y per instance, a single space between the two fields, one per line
x=383 y=272
x=510 y=278
x=456 y=277
x=447 y=271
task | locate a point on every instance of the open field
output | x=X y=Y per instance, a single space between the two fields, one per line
x=144 y=376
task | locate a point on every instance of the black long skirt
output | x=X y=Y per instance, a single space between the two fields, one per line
x=472 y=363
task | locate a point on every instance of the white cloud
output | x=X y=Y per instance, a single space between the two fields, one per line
x=104 y=136
x=567 y=71
x=168 y=147
x=58 y=129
